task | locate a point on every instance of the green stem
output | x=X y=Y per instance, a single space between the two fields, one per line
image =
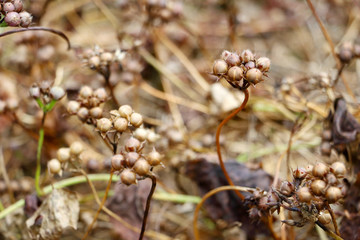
x=38 y=156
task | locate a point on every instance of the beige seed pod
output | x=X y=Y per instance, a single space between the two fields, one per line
x=96 y=112
x=154 y=158
x=100 y=94
x=83 y=114
x=125 y=111
x=152 y=137
x=76 y=148
x=131 y=158
x=132 y=145
x=324 y=217
x=263 y=64
x=338 y=168
x=121 y=124
x=333 y=194
x=235 y=74
x=254 y=76
x=299 y=173
x=287 y=188
x=128 y=177
x=247 y=56
x=94 y=62
x=117 y=161
x=225 y=54
x=57 y=92
x=106 y=57
x=85 y=92
x=232 y=59
x=318 y=187
x=304 y=194
x=54 y=166
x=142 y=167
x=73 y=107
x=63 y=154
x=136 y=119
x=141 y=134
x=320 y=170
x=103 y=124
x=220 y=67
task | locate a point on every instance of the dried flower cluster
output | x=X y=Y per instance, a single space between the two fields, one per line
x=160 y=11
x=14 y=14
x=64 y=156
x=46 y=93
x=241 y=70
x=132 y=162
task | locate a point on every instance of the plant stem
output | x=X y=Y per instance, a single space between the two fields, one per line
x=231 y=115
x=332 y=218
x=147 y=207
x=38 y=156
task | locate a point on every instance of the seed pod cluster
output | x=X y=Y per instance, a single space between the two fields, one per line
x=46 y=93
x=241 y=70
x=348 y=51
x=132 y=164
x=63 y=156
x=14 y=14
x=87 y=106
x=160 y=12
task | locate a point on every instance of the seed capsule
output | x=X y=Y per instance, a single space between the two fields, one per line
x=34 y=91
x=96 y=112
x=117 y=161
x=304 y=194
x=132 y=145
x=254 y=75
x=346 y=52
x=331 y=179
x=94 y=62
x=121 y=124
x=318 y=186
x=54 y=166
x=131 y=158
x=327 y=135
x=287 y=188
x=333 y=194
x=263 y=64
x=142 y=167
x=73 y=107
x=225 y=54
x=18 y=5
x=235 y=74
x=325 y=148
x=338 y=168
x=13 y=19
x=152 y=137
x=141 y=134
x=86 y=92
x=233 y=59
x=100 y=94
x=320 y=170
x=25 y=19
x=324 y=217
x=8 y=7
x=106 y=57
x=154 y=158
x=76 y=148
x=220 y=67
x=128 y=177
x=57 y=93
x=63 y=154
x=83 y=114
x=125 y=111
x=104 y=124
x=299 y=173
x=247 y=56
x=136 y=119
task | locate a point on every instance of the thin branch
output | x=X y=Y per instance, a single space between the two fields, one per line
x=332 y=218
x=147 y=207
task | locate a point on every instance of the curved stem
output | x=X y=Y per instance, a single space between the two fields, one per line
x=147 y=207
x=231 y=115
x=38 y=156
x=332 y=218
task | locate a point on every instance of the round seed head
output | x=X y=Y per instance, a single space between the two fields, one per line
x=125 y=111
x=287 y=188
x=247 y=56
x=304 y=194
x=128 y=177
x=333 y=194
x=346 y=52
x=54 y=166
x=220 y=67
x=101 y=94
x=73 y=107
x=136 y=119
x=121 y=124
x=94 y=62
x=324 y=217
x=309 y=168
x=152 y=137
x=131 y=158
x=320 y=170
x=249 y=65
x=13 y=19
x=263 y=64
x=85 y=92
x=325 y=148
x=18 y=5
x=34 y=91
x=225 y=54
x=338 y=168
x=63 y=154
x=25 y=19
x=233 y=59
x=106 y=57
x=327 y=135
x=104 y=125
x=299 y=173
x=142 y=167
x=331 y=179
x=8 y=7
x=254 y=75
x=83 y=114
x=318 y=186
x=57 y=92
x=132 y=144
x=235 y=74
x=96 y=112
x=154 y=158
x=76 y=148
x=141 y=134
x=117 y=162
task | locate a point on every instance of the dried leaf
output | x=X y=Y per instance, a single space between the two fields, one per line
x=59 y=211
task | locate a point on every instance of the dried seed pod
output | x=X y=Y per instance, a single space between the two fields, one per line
x=57 y=93
x=356 y=50
x=249 y=65
x=299 y=173
x=263 y=64
x=232 y=59
x=73 y=107
x=94 y=62
x=128 y=177
x=220 y=67
x=8 y=7
x=63 y=154
x=324 y=217
x=106 y=57
x=18 y=5
x=85 y=92
x=25 y=19
x=345 y=53
x=325 y=148
x=152 y=137
x=114 y=114
x=141 y=134
x=320 y=170
x=304 y=194
x=96 y=112
x=287 y=188
x=309 y=168
x=125 y=111
x=326 y=135
x=338 y=168
x=247 y=56
x=142 y=167
x=34 y=92
x=254 y=76
x=54 y=166
x=331 y=179
x=13 y=19
x=117 y=162
x=121 y=124
x=136 y=119
x=83 y=114
x=333 y=194
x=132 y=145
x=225 y=54
x=76 y=148
x=131 y=158
x=318 y=186
x=235 y=74
x=154 y=158
x=103 y=124
x=100 y=94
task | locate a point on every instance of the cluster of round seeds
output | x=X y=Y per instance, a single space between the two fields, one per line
x=46 y=92
x=163 y=11
x=14 y=14
x=348 y=51
x=64 y=155
x=241 y=70
x=87 y=106
x=146 y=134
x=120 y=120
x=132 y=164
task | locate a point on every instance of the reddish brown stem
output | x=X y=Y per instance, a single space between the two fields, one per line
x=147 y=208
x=231 y=115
